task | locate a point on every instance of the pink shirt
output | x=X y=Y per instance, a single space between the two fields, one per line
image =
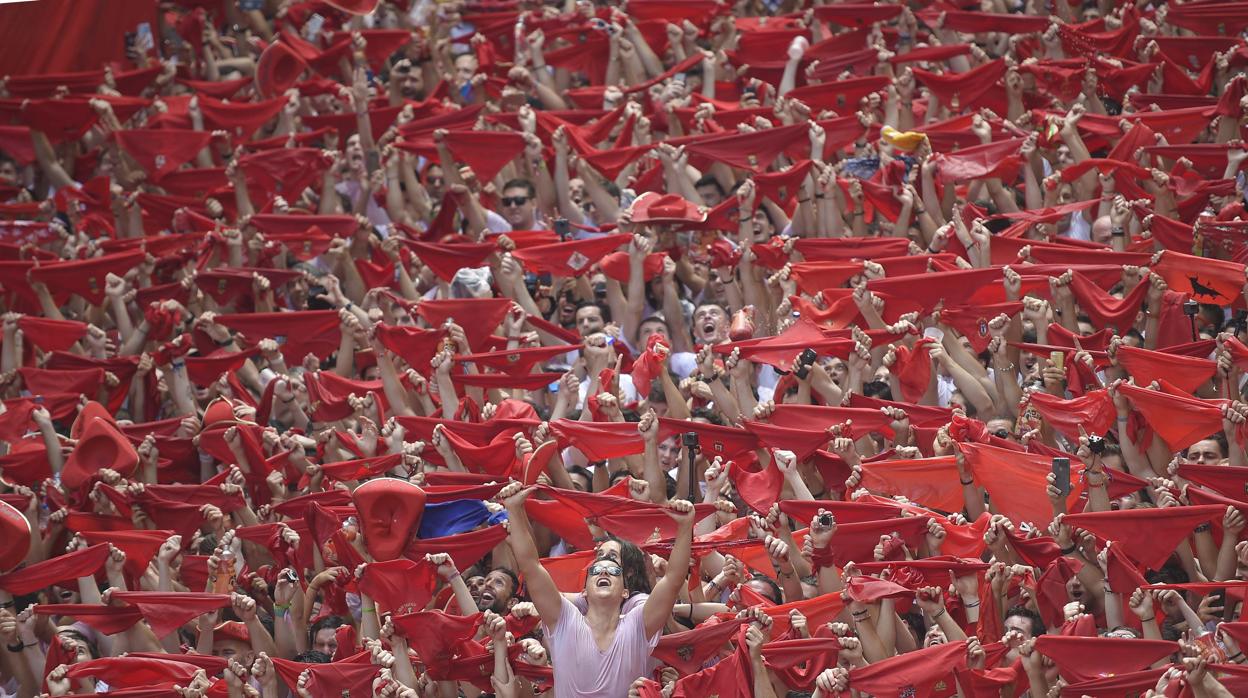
x=581 y=669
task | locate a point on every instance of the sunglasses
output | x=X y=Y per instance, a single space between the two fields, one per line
x=514 y=200
x=612 y=570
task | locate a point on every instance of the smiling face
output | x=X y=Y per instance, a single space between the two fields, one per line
x=496 y=593
x=710 y=324
x=605 y=582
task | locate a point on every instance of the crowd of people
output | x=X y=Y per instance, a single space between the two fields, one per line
x=761 y=348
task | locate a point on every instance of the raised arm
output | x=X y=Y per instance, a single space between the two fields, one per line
x=659 y=606
x=542 y=590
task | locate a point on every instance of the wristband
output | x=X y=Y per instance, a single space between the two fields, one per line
x=368 y=610
x=281 y=606
x=224 y=343
x=1067 y=551
x=822 y=558
x=967 y=482
x=1203 y=527
x=938 y=615
x=971 y=605
x=1117 y=232
x=1237 y=655
x=1152 y=618
x=15 y=648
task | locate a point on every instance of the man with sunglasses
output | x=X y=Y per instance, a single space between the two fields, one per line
x=598 y=653
x=518 y=204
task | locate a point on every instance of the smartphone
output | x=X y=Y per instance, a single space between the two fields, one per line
x=1059 y=359
x=372 y=160
x=804 y=362
x=1061 y=474
x=143 y=41
x=312 y=27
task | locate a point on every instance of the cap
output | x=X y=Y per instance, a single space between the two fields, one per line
x=278 y=70
x=666 y=209
x=390 y=512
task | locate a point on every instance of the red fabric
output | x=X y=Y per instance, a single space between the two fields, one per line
x=108 y=620
x=714 y=440
x=912 y=673
x=486 y=152
x=354 y=675
x=914 y=369
x=464 y=548
x=446 y=259
x=932 y=482
x=1093 y=411
x=478 y=317
x=1015 y=481
x=496 y=458
x=516 y=362
x=758 y=488
x=996 y=159
x=647 y=366
x=1087 y=658
x=855 y=542
x=161 y=151
x=241 y=119
x=1104 y=309
x=77 y=23
x=165 y=612
x=572 y=258
x=298 y=334
x=598 y=440
x=399 y=586
x=85 y=277
x=1179 y=420
x=1148 y=536
x=730 y=678
x=1186 y=373
x=129 y=672
x=434 y=636
x=689 y=650
x=62 y=568
x=748 y=151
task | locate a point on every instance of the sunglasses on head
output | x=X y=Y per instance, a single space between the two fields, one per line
x=514 y=200
x=612 y=570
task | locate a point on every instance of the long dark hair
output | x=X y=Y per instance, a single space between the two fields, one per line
x=633 y=561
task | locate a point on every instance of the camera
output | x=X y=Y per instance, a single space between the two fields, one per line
x=562 y=228
x=1096 y=444
x=826 y=520
x=689 y=439
x=1190 y=308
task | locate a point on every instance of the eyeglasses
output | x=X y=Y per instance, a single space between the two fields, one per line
x=613 y=570
x=514 y=200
